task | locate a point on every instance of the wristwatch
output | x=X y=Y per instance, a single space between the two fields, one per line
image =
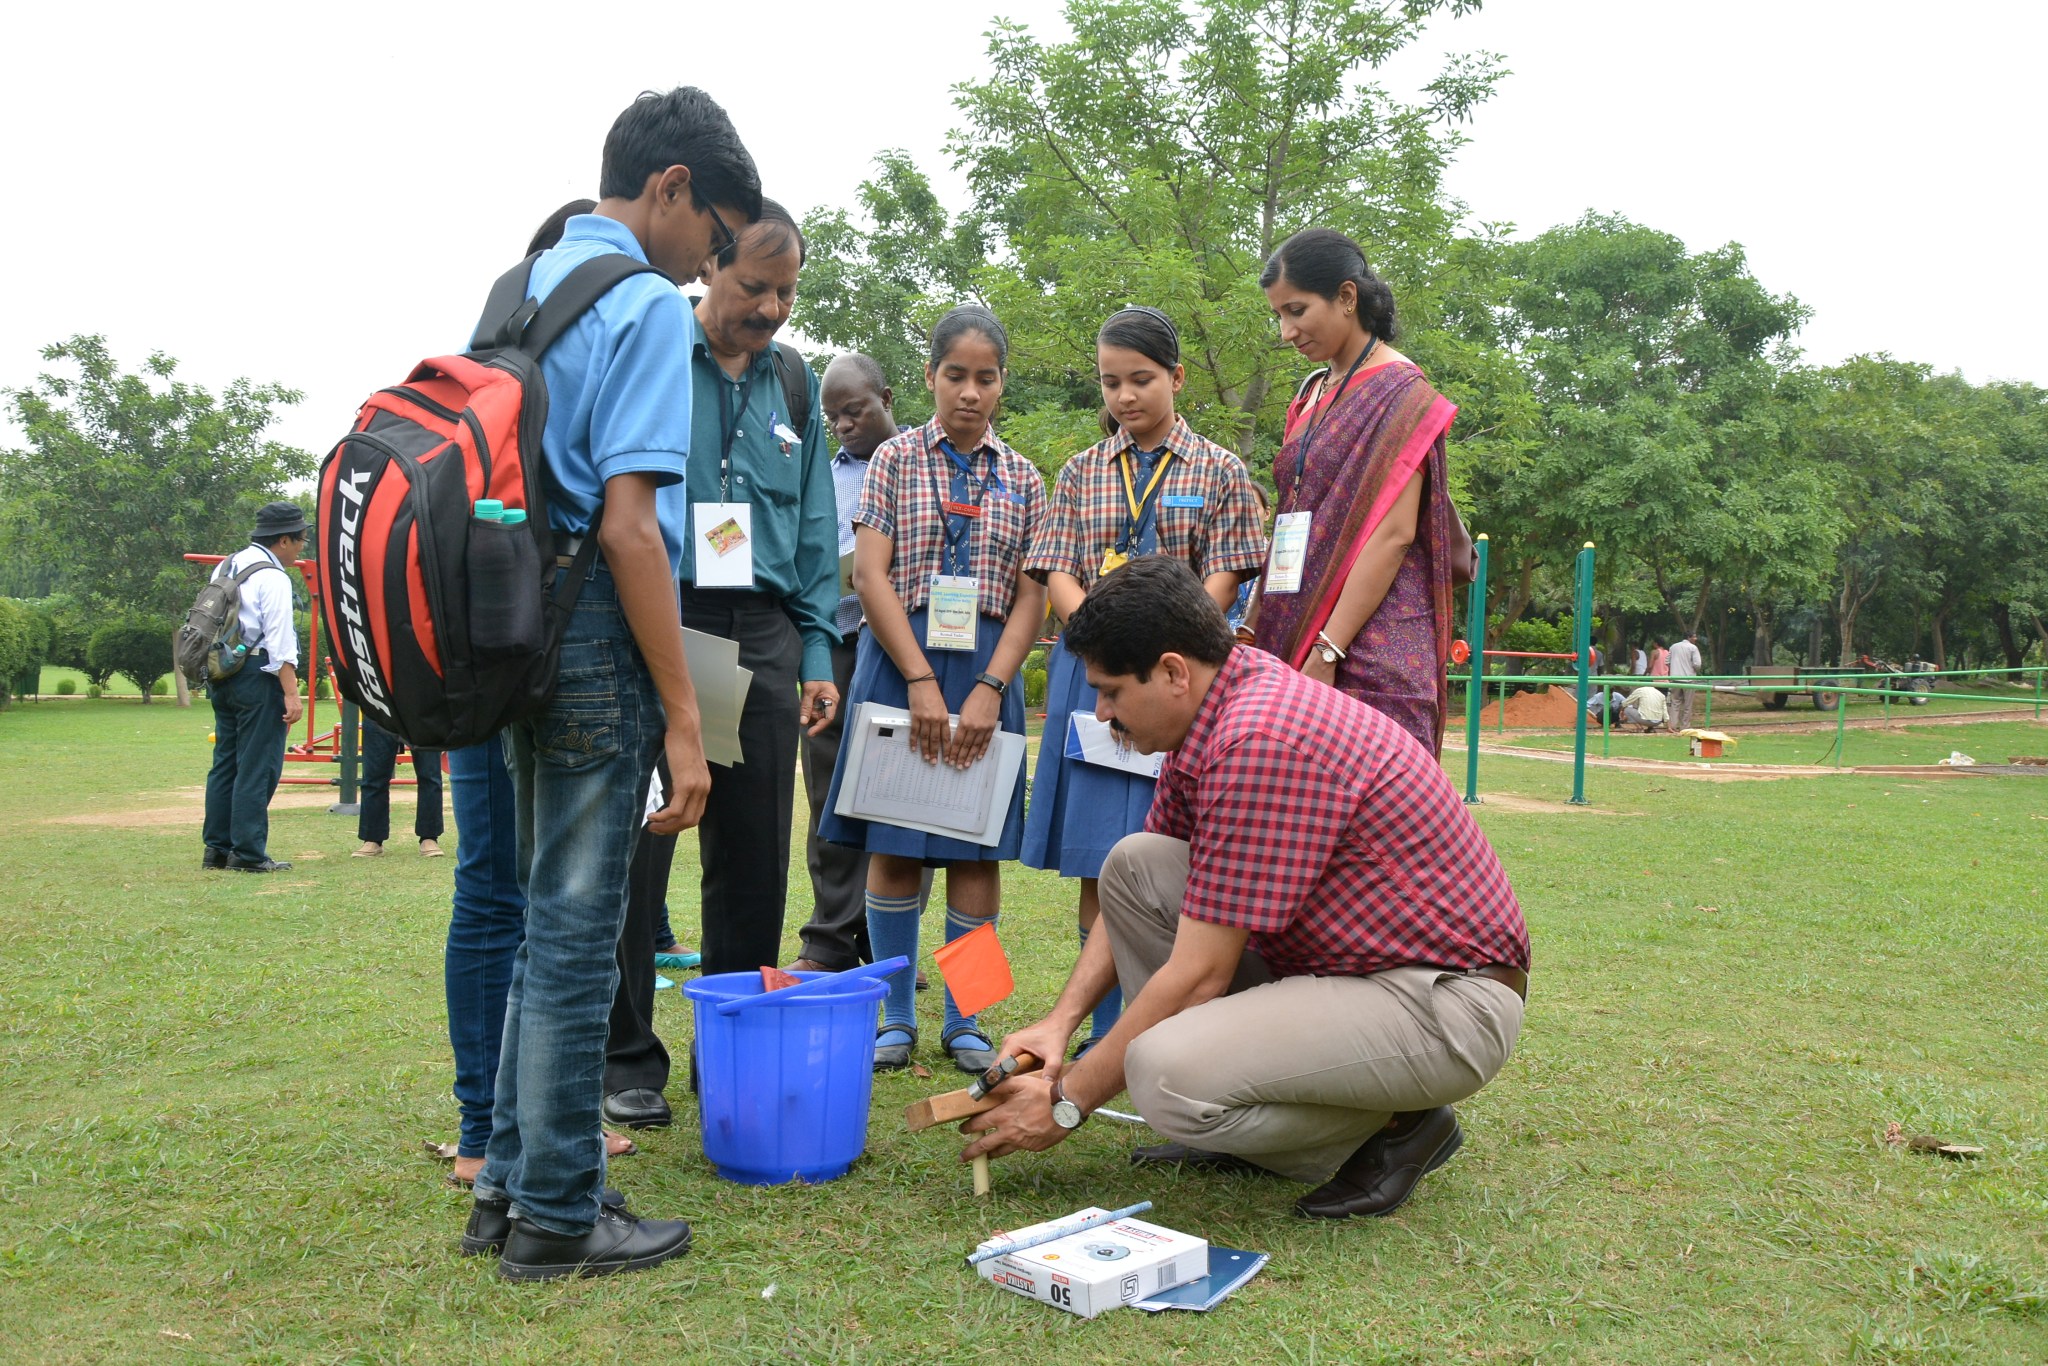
x=1327 y=648
x=1065 y=1113
x=998 y=684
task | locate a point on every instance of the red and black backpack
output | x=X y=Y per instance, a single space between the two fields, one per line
x=445 y=628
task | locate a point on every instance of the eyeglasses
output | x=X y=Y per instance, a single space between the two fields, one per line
x=731 y=238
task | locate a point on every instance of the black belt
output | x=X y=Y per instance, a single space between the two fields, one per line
x=566 y=547
x=1513 y=978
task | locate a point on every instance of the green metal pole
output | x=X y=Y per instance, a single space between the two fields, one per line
x=1582 y=648
x=1475 y=691
x=2037 y=694
x=1707 y=721
x=1500 y=712
x=1841 y=723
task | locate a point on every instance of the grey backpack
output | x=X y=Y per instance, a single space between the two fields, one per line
x=209 y=646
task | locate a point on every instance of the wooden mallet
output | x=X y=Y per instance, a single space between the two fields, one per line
x=968 y=1101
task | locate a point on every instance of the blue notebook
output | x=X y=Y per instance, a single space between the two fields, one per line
x=1228 y=1269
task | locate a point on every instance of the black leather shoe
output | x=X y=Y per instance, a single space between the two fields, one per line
x=617 y=1242
x=213 y=859
x=1181 y=1155
x=1383 y=1173
x=269 y=865
x=490 y=1222
x=643 y=1107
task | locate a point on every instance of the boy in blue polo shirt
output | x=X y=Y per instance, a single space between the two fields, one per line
x=677 y=184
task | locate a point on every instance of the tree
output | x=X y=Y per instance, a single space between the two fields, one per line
x=137 y=647
x=877 y=289
x=122 y=474
x=1655 y=375
x=1157 y=156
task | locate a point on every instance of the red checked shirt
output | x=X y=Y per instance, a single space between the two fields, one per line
x=902 y=498
x=1205 y=512
x=1323 y=828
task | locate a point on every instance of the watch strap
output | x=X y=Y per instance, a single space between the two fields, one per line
x=998 y=684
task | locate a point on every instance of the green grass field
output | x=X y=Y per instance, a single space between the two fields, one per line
x=217 y=1088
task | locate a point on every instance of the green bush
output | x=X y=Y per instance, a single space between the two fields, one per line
x=93 y=690
x=67 y=687
x=159 y=688
x=14 y=644
x=1034 y=687
x=138 y=648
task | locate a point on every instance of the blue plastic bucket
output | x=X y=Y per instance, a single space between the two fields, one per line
x=783 y=1090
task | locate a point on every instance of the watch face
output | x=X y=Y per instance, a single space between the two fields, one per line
x=1066 y=1114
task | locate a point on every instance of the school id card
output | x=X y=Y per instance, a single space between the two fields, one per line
x=953 y=612
x=1290 y=552
x=721 y=534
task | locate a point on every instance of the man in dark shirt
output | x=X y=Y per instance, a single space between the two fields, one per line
x=1319 y=949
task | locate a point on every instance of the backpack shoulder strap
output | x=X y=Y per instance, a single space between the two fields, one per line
x=572 y=298
x=506 y=297
x=796 y=382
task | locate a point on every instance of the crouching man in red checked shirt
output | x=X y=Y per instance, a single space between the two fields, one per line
x=1319 y=951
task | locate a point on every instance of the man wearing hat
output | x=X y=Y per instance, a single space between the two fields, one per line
x=255 y=706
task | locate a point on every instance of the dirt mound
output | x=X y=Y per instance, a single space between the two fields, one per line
x=1548 y=708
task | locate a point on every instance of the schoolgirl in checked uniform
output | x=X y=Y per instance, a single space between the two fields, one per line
x=946 y=514
x=1152 y=488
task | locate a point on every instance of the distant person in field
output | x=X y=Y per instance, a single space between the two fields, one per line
x=256 y=706
x=1645 y=707
x=380 y=765
x=1319 y=952
x=1685 y=665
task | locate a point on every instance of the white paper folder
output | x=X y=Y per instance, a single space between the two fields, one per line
x=890 y=783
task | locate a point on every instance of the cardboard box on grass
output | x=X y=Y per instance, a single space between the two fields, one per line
x=1099 y=1269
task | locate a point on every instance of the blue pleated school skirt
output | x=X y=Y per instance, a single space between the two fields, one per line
x=1078 y=810
x=875 y=679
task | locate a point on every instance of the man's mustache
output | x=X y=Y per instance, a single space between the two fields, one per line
x=1119 y=727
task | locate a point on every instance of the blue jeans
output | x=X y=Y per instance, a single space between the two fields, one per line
x=579 y=775
x=485 y=930
x=248 y=758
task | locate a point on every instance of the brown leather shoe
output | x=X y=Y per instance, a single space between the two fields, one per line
x=808 y=965
x=1383 y=1173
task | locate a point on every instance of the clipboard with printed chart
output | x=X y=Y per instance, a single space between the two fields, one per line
x=889 y=783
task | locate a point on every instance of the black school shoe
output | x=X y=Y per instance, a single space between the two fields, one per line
x=267 y=866
x=618 y=1242
x=1383 y=1173
x=490 y=1222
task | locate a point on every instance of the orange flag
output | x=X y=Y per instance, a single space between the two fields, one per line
x=977 y=970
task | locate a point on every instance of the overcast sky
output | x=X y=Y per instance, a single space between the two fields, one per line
x=319 y=195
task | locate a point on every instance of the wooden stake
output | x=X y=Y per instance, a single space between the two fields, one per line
x=981 y=1175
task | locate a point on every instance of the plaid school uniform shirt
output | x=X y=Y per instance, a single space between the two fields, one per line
x=1324 y=829
x=910 y=480
x=1205 y=512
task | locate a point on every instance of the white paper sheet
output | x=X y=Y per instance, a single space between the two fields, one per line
x=889 y=783
x=1093 y=742
x=721 y=692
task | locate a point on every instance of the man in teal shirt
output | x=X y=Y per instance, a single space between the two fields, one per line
x=760 y=566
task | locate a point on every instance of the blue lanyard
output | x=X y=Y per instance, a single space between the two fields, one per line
x=955 y=559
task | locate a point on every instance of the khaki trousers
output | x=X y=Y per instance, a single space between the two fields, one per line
x=1292 y=1073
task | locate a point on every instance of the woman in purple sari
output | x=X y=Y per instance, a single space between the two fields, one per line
x=1357 y=589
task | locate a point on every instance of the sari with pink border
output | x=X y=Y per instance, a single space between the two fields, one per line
x=1387 y=427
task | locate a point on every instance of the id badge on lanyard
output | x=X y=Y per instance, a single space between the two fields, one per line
x=1290 y=552
x=953 y=612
